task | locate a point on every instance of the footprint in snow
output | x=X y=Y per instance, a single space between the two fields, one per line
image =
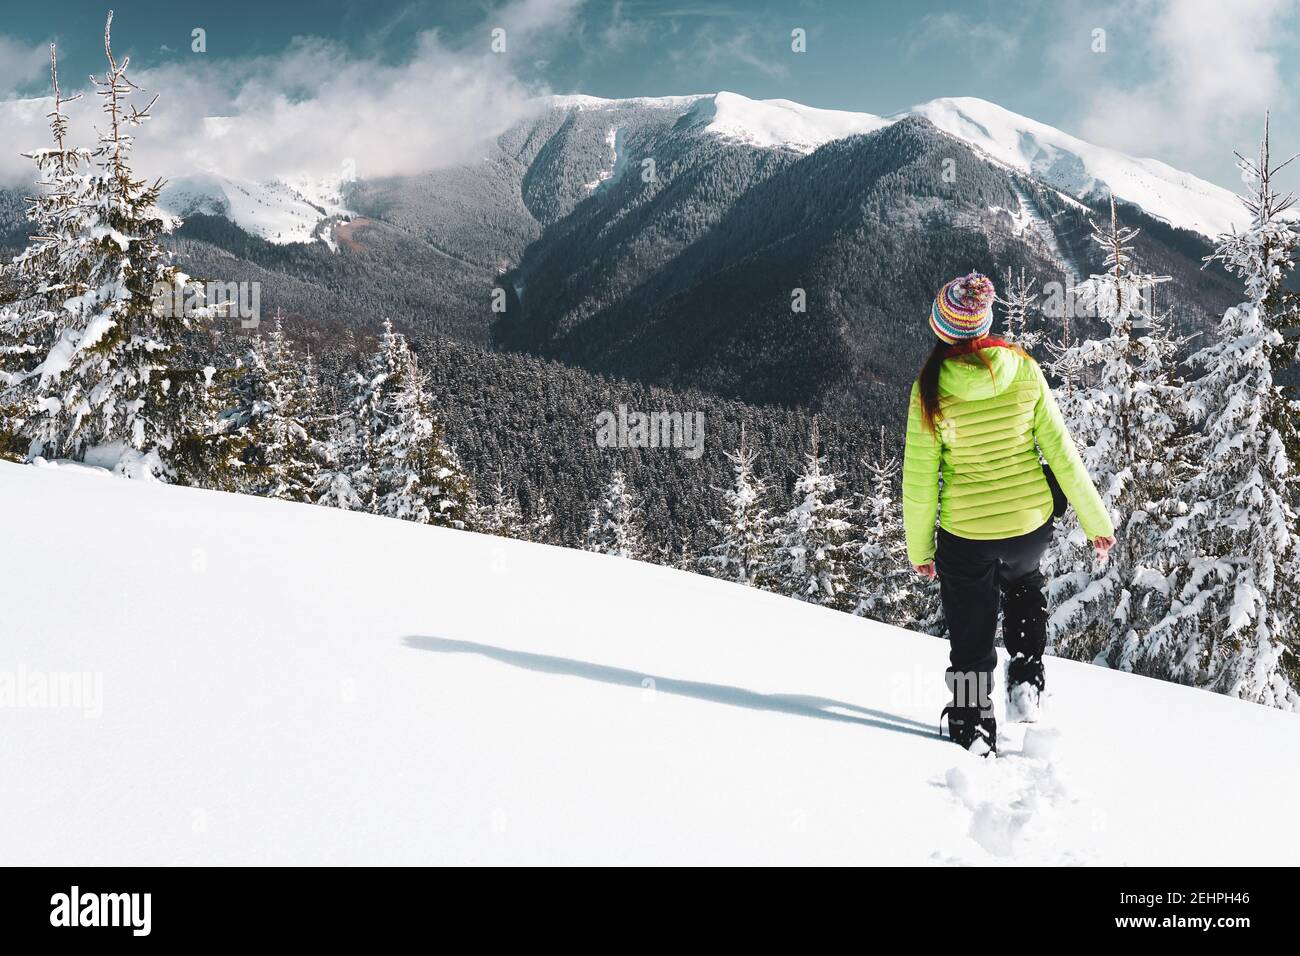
x=1016 y=799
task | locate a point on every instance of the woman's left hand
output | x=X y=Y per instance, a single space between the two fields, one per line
x=926 y=570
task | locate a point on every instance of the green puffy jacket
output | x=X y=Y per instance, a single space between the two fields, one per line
x=993 y=482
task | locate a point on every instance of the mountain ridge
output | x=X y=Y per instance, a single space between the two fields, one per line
x=1184 y=200
x=1076 y=166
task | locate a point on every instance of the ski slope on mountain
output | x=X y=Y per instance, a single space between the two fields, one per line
x=283 y=683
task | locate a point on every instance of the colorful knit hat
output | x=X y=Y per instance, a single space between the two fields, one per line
x=963 y=309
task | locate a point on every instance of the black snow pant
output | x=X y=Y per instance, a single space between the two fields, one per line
x=973 y=576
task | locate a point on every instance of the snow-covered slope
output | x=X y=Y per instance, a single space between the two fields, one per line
x=586 y=102
x=769 y=123
x=279 y=211
x=290 y=684
x=1080 y=168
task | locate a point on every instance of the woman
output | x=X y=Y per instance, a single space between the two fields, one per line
x=981 y=414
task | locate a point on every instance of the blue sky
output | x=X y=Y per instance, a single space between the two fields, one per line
x=1181 y=80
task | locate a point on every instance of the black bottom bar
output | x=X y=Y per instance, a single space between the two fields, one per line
x=1224 y=907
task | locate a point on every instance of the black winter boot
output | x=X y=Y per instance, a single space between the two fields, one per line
x=968 y=729
x=970 y=715
x=1024 y=631
x=1027 y=670
x=1025 y=684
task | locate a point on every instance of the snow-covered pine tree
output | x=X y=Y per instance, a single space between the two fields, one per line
x=930 y=619
x=117 y=378
x=502 y=515
x=679 y=557
x=743 y=550
x=617 y=526
x=815 y=550
x=1124 y=416
x=406 y=470
x=275 y=397
x=1167 y=345
x=342 y=477
x=538 y=526
x=14 y=400
x=1065 y=363
x=685 y=561
x=1234 y=623
x=35 y=286
x=886 y=586
x=1020 y=301
x=339 y=461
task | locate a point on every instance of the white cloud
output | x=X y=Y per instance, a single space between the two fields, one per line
x=313 y=107
x=724 y=47
x=535 y=19
x=1209 y=71
x=978 y=42
x=623 y=31
x=20 y=63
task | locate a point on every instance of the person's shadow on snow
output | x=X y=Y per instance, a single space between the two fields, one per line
x=799 y=705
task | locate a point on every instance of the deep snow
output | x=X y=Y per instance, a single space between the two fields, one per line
x=290 y=684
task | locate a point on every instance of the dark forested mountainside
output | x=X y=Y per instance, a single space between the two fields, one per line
x=692 y=280
x=475 y=214
x=866 y=227
x=1204 y=289
x=532 y=423
x=379 y=272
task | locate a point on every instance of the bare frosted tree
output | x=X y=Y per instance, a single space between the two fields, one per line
x=1020 y=302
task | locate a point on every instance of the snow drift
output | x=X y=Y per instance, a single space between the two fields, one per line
x=283 y=683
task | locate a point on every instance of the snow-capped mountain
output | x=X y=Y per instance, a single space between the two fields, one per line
x=1083 y=169
x=767 y=124
x=281 y=211
x=684 y=279
x=1076 y=167
x=764 y=124
x=287 y=210
x=399 y=711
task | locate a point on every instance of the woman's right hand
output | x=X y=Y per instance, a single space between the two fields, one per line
x=926 y=570
x=1102 y=545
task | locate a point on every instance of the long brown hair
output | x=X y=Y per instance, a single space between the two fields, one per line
x=928 y=380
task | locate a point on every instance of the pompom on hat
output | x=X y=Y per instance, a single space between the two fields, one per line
x=963 y=309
